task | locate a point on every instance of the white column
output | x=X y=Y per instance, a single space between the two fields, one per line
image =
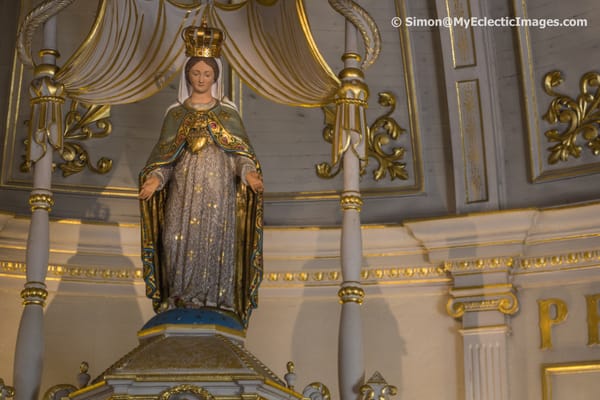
x=485 y=363
x=30 y=342
x=350 y=358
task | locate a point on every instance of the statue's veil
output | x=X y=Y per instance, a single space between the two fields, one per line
x=217 y=89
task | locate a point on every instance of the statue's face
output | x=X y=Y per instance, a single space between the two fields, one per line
x=201 y=77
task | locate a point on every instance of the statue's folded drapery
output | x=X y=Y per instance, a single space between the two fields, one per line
x=134 y=49
x=202 y=232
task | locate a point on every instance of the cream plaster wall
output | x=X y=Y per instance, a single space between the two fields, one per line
x=98 y=323
x=409 y=337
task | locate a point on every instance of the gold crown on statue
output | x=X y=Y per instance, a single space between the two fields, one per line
x=202 y=41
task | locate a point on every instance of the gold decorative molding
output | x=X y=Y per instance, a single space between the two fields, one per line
x=569 y=260
x=495 y=297
x=351 y=294
x=479 y=265
x=581 y=116
x=102 y=274
x=377 y=274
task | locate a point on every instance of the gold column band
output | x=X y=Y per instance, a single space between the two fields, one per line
x=353 y=294
x=46 y=69
x=34 y=295
x=38 y=201
x=49 y=52
x=351 y=202
x=351 y=56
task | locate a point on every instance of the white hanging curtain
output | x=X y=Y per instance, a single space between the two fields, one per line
x=135 y=48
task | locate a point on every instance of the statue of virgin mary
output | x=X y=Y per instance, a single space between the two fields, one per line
x=201 y=196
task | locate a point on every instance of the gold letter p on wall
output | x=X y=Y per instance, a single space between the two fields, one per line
x=551 y=312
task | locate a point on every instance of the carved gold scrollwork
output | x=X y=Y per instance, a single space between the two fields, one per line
x=380 y=132
x=582 y=116
x=84 y=122
x=81 y=122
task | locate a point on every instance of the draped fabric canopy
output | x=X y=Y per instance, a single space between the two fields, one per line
x=135 y=48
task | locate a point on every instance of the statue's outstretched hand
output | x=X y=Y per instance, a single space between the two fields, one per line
x=255 y=182
x=149 y=187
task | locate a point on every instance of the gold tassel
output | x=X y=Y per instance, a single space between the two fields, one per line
x=45 y=123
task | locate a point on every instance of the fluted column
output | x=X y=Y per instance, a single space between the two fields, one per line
x=352 y=97
x=485 y=363
x=30 y=341
x=483 y=298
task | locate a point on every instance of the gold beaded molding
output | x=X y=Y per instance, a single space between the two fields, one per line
x=38 y=201
x=479 y=265
x=575 y=259
x=412 y=274
x=352 y=294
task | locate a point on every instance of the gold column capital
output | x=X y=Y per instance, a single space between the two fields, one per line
x=495 y=297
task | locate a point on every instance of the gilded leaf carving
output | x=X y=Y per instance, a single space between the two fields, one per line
x=581 y=116
x=84 y=122
x=384 y=129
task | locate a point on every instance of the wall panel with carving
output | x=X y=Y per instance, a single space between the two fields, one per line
x=536 y=175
